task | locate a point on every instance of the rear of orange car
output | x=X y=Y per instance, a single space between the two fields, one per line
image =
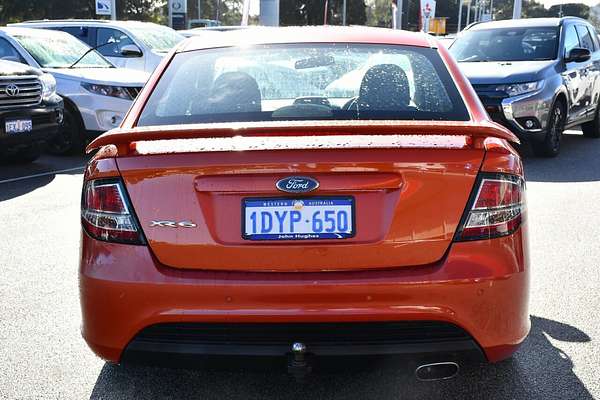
x=342 y=195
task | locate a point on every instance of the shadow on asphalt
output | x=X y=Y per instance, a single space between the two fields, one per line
x=11 y=190
x=538 y=371
x=578 y=161
x=8 y=171
x=15 y=189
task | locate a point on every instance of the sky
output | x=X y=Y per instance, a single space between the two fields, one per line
x=254 y=4
x=549 y=3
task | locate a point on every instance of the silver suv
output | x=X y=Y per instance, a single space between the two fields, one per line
x=126 y=44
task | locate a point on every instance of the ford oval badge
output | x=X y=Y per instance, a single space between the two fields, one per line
x=297 y=184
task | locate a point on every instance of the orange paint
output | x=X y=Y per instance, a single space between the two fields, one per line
x=402 y=264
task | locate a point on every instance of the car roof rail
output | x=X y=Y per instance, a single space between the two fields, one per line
x=34 y=21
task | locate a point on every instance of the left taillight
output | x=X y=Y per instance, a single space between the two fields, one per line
x=496 y=209
x=106 y=213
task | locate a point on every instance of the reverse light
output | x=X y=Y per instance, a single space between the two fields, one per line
x=496 y=210
x=106 y=214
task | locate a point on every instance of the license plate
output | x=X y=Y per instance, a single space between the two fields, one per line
x=18 y=126
x=298 y=219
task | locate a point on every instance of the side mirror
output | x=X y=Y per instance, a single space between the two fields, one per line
x=578 y=54
x=131 y=50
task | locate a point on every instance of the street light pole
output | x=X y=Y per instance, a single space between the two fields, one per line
x=460 y=6
x=469 y=12
x=113 y=10
x=344 y=13
x=398 y=14
x=245 y=12
x=482 y=9
x=517 y=9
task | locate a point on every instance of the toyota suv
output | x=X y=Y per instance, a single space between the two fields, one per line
x=30 y=111
x=535 y=76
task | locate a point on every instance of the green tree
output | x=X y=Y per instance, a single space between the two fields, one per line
x=142 y=10
x=312 y=12
x=356 y=12
x=379 y=13
x=571 y=10
x=20 y=10
x=229 y=11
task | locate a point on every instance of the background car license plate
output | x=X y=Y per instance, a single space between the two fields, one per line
x=18 y=125
x=297 y=219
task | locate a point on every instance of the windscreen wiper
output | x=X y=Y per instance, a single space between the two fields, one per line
x=88 y=52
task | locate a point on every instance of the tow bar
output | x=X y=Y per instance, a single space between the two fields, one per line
x=298 y=365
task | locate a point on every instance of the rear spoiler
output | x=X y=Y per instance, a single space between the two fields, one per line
x=122 y=138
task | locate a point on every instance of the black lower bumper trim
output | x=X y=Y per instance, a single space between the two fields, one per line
x=45 y=125
x=418 y=340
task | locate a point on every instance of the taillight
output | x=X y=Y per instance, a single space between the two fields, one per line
x=496 y=210
x=106 y=214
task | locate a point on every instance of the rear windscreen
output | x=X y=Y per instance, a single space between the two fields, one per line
x=304 y=82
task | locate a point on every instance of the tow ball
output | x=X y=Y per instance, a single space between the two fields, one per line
x=298 y=365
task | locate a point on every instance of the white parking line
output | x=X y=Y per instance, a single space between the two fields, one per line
x=59 y=171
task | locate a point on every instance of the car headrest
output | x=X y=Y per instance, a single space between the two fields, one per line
x=234 y=92
x=384 y=88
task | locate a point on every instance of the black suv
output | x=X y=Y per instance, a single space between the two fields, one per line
x=30 y=111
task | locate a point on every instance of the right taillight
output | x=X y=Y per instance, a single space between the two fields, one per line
x=496 y=209
x=106 y=214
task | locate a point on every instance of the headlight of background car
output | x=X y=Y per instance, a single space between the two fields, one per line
x=48 y=86
x=516 y=89
x=107 y=90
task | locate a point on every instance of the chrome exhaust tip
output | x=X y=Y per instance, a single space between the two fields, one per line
x=437 y=371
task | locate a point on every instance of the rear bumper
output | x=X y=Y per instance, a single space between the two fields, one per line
x=480 y=288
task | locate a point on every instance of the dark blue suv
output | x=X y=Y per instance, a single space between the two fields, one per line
x=535 y=76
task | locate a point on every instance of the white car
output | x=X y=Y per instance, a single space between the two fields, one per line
x=96 y=94
x=126 y=44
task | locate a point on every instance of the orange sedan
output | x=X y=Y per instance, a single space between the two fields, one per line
x=306 y=194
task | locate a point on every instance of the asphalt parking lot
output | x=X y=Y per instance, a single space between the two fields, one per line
x=43 y=356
